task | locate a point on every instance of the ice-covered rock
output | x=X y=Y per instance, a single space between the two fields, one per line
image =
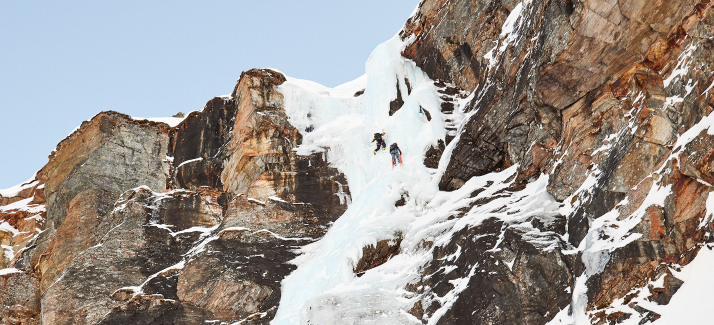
x=557 y=168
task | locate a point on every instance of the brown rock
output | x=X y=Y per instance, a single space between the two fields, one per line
x=111 y=152
x=123 y=294
x=29 y=190
x=697 y=159
x=373 y=256
x=287 y=202
x=28 y=220
x=198 y=142
x=19 y=299
x=155 y=309
x=84 y=226
x=262 y=137
x=512 y=272
x=237 y=276
x=580 y=94
x=641 y=160
x=144 y=235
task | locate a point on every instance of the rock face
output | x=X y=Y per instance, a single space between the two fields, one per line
x=557 y=52
x=148 y=224
x=197 y=142
x=594 y=116
x=518 y=281
x=23 y=218
x=593 y=94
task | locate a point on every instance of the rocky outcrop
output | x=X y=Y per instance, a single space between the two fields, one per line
x=198 y=143
x=19 y=298
x=376 y=255
x=555 y=53
x=86 y=174
x=280 y=201
x=148 y=224
x=594 y=94
x=517 y=282
x=144 y=238
x=23 y=218
x=661 y=105
x=596 y=114
x=111 y=152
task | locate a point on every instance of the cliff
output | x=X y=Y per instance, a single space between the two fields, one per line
x=557 y=169
x=146 y=223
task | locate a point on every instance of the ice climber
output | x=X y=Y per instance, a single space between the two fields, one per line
x=380 y=141
x=396 y=154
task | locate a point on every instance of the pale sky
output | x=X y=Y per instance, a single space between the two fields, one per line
x=64 y=61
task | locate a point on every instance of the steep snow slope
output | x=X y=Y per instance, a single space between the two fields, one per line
x=345 y=124
x=324 y=288
x=582 y=205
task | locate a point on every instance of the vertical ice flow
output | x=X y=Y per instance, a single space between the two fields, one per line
x=345 y=123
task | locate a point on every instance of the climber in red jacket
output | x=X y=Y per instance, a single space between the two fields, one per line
x=396 y=154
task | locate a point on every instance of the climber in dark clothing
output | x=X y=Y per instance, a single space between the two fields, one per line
x=396 y=154
x=380 y=141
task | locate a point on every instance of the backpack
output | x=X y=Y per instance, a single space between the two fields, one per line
x=378 y=137
x=393 y=148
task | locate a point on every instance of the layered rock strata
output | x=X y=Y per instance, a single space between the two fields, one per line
x=149 y=224
x=605 y=106
x=594 y=94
